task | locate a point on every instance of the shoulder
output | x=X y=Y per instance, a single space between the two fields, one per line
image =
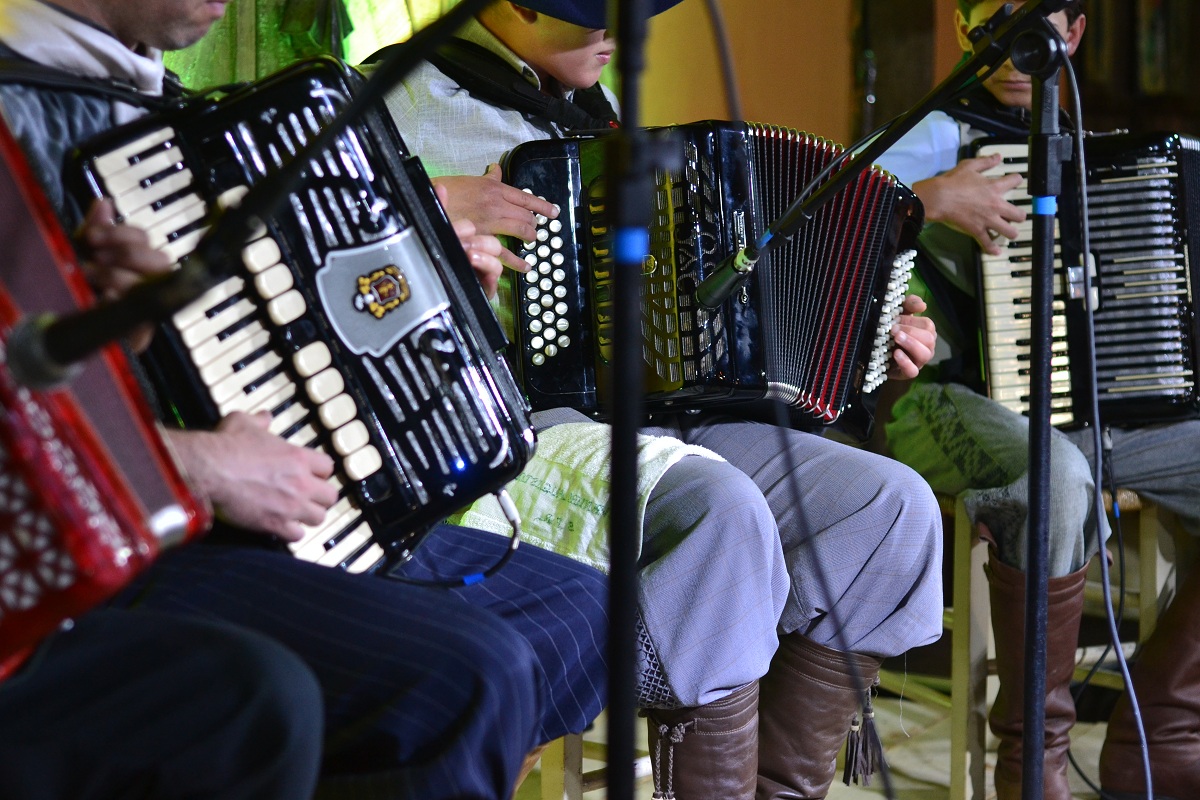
x=930 y=148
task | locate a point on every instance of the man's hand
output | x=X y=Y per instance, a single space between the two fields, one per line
x=117 y=257
x=253 y=478
x=915 y=338
x=973 y=203
x=495 y=208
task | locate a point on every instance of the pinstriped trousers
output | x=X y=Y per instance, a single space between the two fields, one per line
x=429 y=693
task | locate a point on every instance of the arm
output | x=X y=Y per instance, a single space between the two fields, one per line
x=253 y=478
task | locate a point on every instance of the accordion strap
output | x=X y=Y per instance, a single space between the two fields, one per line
x=489 y=77
x=30 y=73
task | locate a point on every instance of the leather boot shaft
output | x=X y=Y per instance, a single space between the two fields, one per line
x=1166 y=679
x=706 y=752
x=809 y=700
x=1064 y=612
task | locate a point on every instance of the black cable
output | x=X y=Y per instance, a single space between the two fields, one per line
x=1094 y=414
x=733 y=100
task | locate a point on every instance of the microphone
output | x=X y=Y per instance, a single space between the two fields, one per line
x=43 y=351
x=727 y=277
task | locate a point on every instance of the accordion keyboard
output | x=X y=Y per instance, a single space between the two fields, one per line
x=1006 y=282
x=227 y=335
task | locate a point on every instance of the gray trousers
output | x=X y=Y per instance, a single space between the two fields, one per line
x=792 y=532
x=963 y=442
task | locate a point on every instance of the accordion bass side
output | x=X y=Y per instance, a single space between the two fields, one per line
x=89 y=493
x=354 y=317
x=810 y=326
x=1144 y=200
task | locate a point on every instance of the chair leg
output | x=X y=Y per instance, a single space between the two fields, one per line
x=562 y=769
x=968 y=665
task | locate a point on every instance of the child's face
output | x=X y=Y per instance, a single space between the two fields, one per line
x=1010 y=87
x=572 y=55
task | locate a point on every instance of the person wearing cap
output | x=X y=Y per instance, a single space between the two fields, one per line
x=751 y=668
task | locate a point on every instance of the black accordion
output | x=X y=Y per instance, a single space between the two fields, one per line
x=354 y=317
x=809 y=328
x=1142 y=202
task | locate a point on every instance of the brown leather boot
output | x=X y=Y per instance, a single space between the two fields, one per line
x=809 y=700
x=706 y=752
x=1064 y=611
x=1166 y=677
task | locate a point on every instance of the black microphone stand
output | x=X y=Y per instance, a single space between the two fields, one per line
x=630 y=191
x=1040 y=53
x=993 y=42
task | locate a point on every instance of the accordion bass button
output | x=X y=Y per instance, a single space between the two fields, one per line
x=286 y=308
x=350 y=438
x=312 y=359
x=261 y=254
x=362 y=463
x=325 y=385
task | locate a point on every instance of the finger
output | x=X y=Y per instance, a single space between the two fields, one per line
x=529 y=202
x=494 y=171
x=514 y=261
x=464 y=229
x=320 y=464
x=292 y=531
x=914 y=304
x=902 y=365
x=101 y=212
x=441 y=192
x=1007 y=230
x=982 y=163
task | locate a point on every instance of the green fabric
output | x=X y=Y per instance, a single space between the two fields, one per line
x=564 y=492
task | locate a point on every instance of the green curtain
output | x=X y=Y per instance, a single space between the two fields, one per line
x=259 y=37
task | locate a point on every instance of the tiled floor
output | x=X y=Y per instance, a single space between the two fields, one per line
x=916 y=742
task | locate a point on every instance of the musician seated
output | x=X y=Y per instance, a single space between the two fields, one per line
x=426 y=694
x=962 y=441
x=731 y=553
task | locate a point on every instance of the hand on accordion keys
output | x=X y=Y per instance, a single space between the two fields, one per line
x=972 y=199
x=915 y=339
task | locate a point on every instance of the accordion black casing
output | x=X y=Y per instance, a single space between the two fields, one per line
x=809 y=328
x=354 y=318
x=1143 y=202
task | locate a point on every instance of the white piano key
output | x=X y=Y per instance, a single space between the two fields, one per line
x=350 y=437
x=127 y=180
x=273 y=282
x=271 y=395
x=237 y=382
x=210 y=351
x=286 y=308
x=287 y=418
x=195 y=311
x=341 y=514
x=370 y=557
x=214 y=372
x=325 y=385
x=304 y=437
x=118 y=160
x=178 y=217
x=312 y=358
x=362 y=463
x=256 y=401
x=345 y=548
x=209 y=327
x=139 y=209
x=183 y=246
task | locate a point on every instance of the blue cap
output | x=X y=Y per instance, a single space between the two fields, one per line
x=587 y=13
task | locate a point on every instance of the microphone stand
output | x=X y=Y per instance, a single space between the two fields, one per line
x=1040 y=53
x=993 y=42
x=630 y=193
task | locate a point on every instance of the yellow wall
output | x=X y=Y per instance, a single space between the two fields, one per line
x=793 y=58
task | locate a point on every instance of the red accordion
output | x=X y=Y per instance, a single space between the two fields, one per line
x=89 y=493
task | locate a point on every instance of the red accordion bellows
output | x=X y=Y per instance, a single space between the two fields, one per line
x=89 y=494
